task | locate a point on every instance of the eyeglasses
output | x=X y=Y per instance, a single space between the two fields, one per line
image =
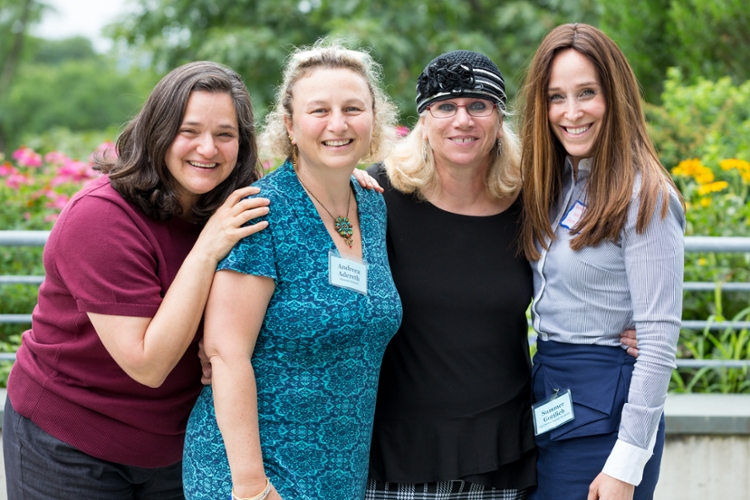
x=445 y=109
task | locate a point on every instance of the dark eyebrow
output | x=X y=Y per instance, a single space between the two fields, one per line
x=198 y=124
x=592 y=83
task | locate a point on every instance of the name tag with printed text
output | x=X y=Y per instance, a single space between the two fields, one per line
x=347 y=273
x=553 y=412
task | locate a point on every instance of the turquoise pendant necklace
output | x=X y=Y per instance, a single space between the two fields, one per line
x=342 y=224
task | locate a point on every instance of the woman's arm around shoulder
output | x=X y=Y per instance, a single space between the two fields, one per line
x=148 y=348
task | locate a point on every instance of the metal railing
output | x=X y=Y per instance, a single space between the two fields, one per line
x=692 y=244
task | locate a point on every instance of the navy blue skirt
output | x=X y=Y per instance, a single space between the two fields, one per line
x=572 y=455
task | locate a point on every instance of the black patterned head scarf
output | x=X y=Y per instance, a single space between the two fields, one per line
x=461 y=73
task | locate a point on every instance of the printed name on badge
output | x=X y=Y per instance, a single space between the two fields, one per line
x=347 y=273
x=553 y=412
x=574 y=215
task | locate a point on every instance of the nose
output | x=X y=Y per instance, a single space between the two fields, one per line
x=337 y=122
x=572 y=110
x=462 y=116
x=206 y=146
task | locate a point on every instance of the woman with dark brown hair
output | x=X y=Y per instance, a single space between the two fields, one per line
x=104 y=381
x=603 y=229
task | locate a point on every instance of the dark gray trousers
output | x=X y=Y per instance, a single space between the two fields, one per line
x=41 y=467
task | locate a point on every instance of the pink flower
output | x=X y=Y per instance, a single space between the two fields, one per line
x=56 y=158
x=27 y=216
x=27 y=157
x=14 y=181
x=57 y=200
x=107 y=149
x=7 y=169
x=402 y=130
x=74 y=171
x=51 y=217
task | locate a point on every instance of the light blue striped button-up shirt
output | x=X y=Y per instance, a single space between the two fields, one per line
x=590 y=296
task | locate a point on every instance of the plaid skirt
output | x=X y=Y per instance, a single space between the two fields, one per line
x=443 y=490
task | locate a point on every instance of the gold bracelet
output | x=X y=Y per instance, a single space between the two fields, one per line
x=260 y=496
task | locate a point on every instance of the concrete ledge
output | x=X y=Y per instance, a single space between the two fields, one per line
x=702 y=414
x=718 y=414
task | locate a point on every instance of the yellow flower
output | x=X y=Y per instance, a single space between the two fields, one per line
x=704 y=177
x=713 y=187
x=705 y=202
x=686 y=168
x=742 y=166
x=702 y=261
x=695 y=169
x=734 y=163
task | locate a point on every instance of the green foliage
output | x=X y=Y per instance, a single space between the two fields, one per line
x=641 y=30
x=15 y=18
x=706 y=119
x=80 y=95
x=730 y=344
x=704 y=38
x=57 y=51
x=255 y=36
x=712 y=38
x=702 y=131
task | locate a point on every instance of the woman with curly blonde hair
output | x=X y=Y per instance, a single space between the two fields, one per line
x=297 y=321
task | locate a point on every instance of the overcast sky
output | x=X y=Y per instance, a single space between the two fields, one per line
x=82 y=17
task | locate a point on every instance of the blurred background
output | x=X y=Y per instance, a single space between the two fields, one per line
x=72 y=72
x=85 y=66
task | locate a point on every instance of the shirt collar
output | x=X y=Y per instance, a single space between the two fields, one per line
x=583 y=164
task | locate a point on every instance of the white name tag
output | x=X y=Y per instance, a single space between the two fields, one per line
x=347 y=273
x=553 y=412
x=574 y=215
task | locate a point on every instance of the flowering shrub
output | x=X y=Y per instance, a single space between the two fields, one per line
x=717 y=205
x=716 y=199
x=36 y=188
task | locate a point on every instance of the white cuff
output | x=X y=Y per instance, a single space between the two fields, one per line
x=626 y=462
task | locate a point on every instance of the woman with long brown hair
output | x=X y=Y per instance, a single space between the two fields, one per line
x=603 y=229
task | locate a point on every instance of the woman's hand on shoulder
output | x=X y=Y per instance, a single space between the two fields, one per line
x=606 y=487
x=226 y=226
x=366 y=180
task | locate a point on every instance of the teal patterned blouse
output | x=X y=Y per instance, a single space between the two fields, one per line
x=317 y=357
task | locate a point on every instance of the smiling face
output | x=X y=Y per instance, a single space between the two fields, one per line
x=576 y=103
x=462 y=140
x=332 y=118
x=204 y=151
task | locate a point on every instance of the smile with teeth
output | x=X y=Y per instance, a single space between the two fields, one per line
x=577 y=130
x=340 y=142
x=463 y=140
x=202 y=165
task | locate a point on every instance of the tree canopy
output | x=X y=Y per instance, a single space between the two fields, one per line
x=255 y=36
x=64 y=83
